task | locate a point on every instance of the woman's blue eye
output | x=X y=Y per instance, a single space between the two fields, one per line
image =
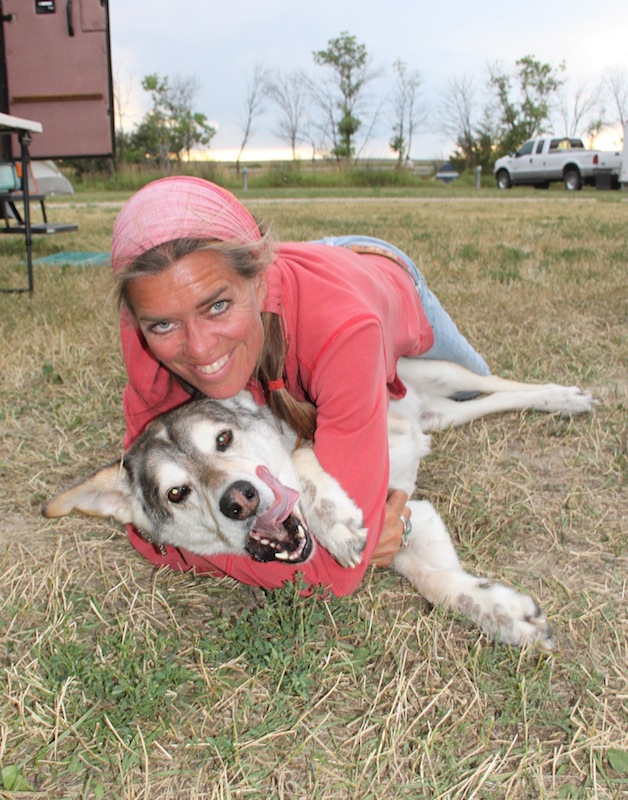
x=161 y=327
x=219 y=306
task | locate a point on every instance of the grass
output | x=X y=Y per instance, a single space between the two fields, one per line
x=118 y=681
x=303 y=174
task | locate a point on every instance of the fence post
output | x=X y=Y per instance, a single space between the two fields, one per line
x=478 y=177
x=245 y=178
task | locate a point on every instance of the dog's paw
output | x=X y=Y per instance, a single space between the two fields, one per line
x=506 y=615
x=565 y=400
x=345 y=541
x=338 y=526
x=331 y=515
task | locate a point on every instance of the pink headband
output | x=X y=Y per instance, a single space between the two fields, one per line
x=175 y=208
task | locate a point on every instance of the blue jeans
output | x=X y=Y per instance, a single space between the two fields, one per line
x=449 y=343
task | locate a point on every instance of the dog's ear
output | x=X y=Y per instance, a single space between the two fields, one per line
x=106 y=493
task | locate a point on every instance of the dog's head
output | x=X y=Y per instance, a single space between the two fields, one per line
x=211 y=476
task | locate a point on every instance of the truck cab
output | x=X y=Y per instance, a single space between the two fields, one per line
x=541 y=161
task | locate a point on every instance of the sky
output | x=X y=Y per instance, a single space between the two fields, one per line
x=219 y=44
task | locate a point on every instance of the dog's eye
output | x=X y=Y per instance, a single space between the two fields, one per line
x=223 y=440
x=178 y=493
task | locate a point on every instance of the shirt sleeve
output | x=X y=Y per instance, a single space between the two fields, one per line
x=350 y=389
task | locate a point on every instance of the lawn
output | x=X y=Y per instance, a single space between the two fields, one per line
x=122 y=682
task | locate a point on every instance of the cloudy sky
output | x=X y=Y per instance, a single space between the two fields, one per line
x=219 y=44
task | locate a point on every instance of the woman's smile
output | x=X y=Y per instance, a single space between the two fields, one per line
x=212 y=369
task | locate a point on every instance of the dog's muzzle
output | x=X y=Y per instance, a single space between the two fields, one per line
x=276 y=534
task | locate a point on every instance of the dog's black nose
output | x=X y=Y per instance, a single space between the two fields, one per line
x=240 y=501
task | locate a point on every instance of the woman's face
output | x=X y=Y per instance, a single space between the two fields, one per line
x=202 y=320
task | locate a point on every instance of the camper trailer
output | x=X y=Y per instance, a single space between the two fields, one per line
x=55 y=68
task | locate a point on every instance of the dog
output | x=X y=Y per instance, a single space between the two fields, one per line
x=227 y=477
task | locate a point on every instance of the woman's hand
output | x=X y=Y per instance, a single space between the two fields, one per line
x=392 y=532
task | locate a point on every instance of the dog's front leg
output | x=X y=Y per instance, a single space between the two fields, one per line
x=332 y=517
x=431 y=565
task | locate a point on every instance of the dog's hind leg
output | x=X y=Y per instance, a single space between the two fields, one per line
x=438 y=381
x=446 y=379
x=439 y=413
x=431 y=565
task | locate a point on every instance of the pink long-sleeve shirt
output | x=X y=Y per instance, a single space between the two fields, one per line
x=348 y=318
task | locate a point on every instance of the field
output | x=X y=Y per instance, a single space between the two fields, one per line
x=122 y=682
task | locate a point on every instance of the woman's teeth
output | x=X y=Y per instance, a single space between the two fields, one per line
x=210 y=369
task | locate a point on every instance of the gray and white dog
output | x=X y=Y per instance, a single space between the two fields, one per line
x=226 y=477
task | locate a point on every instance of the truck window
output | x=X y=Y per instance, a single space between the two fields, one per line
x=560 y=144
x=539 y=146
x=525 y=149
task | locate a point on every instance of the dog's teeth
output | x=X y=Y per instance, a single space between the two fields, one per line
x=265 y=542
x=300 y=532
x=282 y=555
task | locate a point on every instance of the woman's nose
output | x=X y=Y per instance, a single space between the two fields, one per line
x=198 y=340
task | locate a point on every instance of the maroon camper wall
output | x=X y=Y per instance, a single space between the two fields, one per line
x=57 y=71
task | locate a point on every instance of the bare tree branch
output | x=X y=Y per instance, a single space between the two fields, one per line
x=408 y=116
x=617 y=82
x=256 y=92
x=579 y=108
x=288 y=94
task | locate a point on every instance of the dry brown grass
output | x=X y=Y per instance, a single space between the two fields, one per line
x=119 y=682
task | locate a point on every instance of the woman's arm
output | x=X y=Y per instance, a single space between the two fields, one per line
x=392 y=532
x=349 y=384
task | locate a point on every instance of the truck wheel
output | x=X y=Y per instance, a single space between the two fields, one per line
x=503 y=179
x=573 y=181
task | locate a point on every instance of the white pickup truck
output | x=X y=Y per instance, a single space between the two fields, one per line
x=549 y=159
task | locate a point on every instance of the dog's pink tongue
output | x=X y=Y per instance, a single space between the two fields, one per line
x=285 y=498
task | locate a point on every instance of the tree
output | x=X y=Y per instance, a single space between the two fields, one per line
x=171 y=128
x=122 y=95
x=617 y=81
x=407 y=114
x=287 y=92
x=457 y=114
x=324 y=133
x=580 y=108
x=256 y=91
x=524 y=99
x=470 y=125
x=349 y=63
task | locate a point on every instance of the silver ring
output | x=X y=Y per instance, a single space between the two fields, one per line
x=407 y=530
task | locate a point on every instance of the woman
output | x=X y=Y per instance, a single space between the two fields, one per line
x=211 y=306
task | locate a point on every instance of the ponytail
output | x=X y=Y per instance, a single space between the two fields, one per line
x=299 y=414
